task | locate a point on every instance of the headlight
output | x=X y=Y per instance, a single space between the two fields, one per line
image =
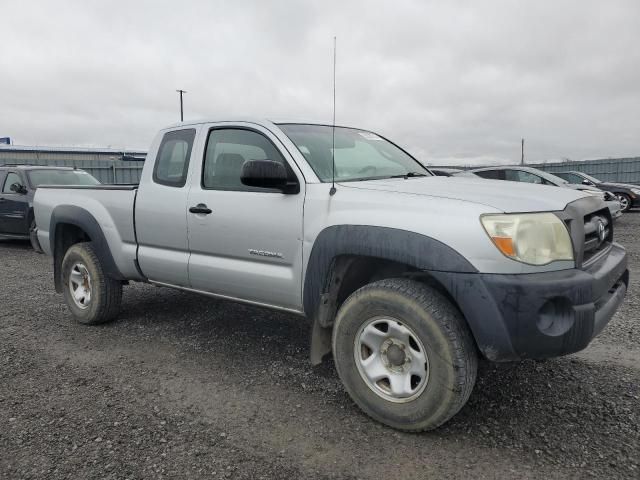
x=636 y=191
x=533 y=238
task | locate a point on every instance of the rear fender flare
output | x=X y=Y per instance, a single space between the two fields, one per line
x=81 y=218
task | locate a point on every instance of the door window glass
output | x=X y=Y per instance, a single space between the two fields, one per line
x=10 y=180
x=227 y=151
x=172 y=162
x=570 y=177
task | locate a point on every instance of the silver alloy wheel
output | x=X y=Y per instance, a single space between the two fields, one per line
x=391 y=359
x=80 y=285
x=624 y=201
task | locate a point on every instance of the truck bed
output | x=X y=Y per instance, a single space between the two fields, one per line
x=111 y=207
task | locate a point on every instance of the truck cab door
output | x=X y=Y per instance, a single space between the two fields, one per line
x=14 y=207
x=245 y=242
x=161 y=210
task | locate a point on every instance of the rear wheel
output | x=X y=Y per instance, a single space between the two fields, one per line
x=404 y=354
x=625 y=201
x=92 y=296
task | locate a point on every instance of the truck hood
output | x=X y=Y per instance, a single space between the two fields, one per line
x=505 y=196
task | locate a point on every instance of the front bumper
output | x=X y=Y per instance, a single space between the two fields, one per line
x=540 y=315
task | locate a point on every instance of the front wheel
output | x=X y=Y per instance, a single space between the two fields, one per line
x=404 y=354
x=625 y=201
x=92 y=296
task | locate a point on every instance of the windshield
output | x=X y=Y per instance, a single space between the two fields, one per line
x=590 y=178
x=359 y=155
x=60 y=177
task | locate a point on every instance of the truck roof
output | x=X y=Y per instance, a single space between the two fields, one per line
x=256 y=120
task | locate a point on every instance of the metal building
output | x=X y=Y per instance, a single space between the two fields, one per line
x=106 y=164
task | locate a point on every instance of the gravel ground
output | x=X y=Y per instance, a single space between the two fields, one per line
x=183 y=386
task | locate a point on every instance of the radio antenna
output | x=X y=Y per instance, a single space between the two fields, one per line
x=333 y=126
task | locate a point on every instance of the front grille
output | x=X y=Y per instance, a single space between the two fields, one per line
x=586 y=218
x=598 y=233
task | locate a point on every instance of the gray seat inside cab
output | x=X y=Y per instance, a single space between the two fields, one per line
x=228 y=168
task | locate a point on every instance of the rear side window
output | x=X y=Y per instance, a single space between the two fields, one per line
x=522 y=176
x=10 y=180
x=172 y=162
x=491 y=174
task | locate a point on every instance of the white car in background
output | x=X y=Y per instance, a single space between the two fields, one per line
x=540 y=177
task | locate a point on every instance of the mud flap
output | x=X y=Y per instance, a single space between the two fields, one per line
x=320 y=342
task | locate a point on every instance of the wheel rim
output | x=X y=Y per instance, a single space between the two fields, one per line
x=624 y=201
x=391 y=359
x=80 y=285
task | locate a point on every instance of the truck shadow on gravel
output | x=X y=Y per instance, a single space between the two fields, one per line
x=565 y=411
x=19 y=245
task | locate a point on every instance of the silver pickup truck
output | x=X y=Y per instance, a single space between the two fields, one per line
x=406 y=277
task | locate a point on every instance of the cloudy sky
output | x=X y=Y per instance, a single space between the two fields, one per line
x=456 y=82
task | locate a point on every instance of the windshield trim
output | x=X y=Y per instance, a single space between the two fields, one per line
x=419 y=164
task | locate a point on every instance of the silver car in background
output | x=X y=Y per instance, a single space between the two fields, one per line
x=540 y=177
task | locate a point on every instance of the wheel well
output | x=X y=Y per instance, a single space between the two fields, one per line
x=347 y=274
x=66 y=235
x=365 y=270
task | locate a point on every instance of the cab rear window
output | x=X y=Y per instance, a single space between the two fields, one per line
x=172 y=162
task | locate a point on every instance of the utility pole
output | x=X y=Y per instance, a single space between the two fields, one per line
x=181 y=109
x=522 y=150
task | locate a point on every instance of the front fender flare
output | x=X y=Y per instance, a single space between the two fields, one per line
x=414 y=249
x=410 y=248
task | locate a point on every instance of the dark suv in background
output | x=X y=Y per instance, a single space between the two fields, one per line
x=19 y=183
x=628 y=195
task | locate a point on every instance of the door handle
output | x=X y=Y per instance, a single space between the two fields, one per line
x=201 y=208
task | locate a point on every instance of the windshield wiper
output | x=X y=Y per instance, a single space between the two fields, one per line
x=409 y=175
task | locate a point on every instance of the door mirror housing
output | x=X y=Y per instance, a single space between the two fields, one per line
x=17 y=188
x=267 y=174
x=587 y=182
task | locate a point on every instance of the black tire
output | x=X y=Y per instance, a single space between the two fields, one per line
x=105 y=292
x=450 y=348
x=625 y=200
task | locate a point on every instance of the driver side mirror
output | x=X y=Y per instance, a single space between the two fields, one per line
x=17 y=188
x=267 y=174
x=587 y=182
